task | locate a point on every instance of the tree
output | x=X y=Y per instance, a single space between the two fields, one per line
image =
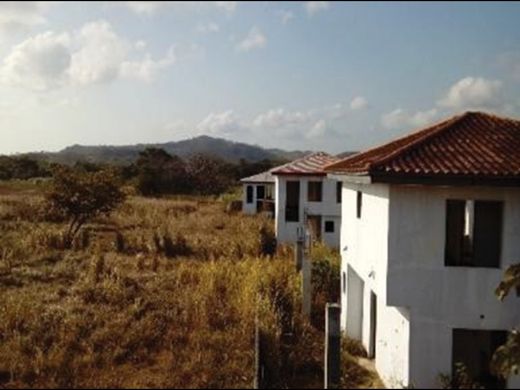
x=506 y=360
x=81 y=196
x=209 y=175
x=160 y=172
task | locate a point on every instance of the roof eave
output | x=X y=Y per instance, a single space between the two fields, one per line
x=350 y=177
x=446 y=180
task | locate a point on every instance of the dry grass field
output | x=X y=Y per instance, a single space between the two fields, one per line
x=163 y=293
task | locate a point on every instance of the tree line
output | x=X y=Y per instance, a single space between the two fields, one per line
x=155 y=172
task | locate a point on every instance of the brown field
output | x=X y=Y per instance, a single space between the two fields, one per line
x=163 y=293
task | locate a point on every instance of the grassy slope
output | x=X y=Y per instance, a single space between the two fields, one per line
x=120 y=311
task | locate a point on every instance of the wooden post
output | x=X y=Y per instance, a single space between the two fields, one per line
x=306 y=286
x=298 y=254
x=332 y=375
x=259 y=380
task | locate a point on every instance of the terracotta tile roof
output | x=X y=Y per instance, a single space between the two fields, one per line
x=311 y=164
x=473 y=145
x=264 y=177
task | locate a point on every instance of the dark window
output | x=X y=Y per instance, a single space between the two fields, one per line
x=329 y=226
x=474 y=349
x=359 y=204
x=314 y=191
x=260 y=192
x=339 y=184
x=292 y=201
x=473 y=233
x=249 y=195
x=344 y=283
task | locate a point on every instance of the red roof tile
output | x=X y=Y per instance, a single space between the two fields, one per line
x=311 y=164
x=473 y=145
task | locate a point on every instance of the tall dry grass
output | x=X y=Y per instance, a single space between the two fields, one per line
x=164 y=293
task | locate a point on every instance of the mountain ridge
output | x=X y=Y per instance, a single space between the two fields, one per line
x=124 y=154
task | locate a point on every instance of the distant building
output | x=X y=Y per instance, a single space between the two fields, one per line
x=258 y=193
x=430 y=223
x=306 y=198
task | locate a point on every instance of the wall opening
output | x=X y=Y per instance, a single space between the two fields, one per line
x=314 y=191
x=355 y=294
x=292 y=201
x=249 y=194
x=474 y=349
x=473 y=233
x=373 y=326
x=314 y=225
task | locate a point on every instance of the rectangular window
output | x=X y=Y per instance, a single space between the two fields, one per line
x=359 y=204
x=260 y=192
x=474 y=349
x=344 y=283
x=339 y=185
x=473 y=233
x=314 y=191
x=292 y=201
x=249 y=194
x=329 y=226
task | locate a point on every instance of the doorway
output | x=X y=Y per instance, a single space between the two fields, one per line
x=314 y=226
x=373 y=326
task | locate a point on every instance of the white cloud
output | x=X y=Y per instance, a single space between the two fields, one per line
x=312 y=7
x=21 y=15
x=101 y=52
x=150 y=8
x=210 y=27
x=285 y=15
x=254 y=40
x=220 y=124
x=228 y=6
x=38 y=63
x=146 y=7
x=400 y=118
x=280 y=118
x=147 y=68
x=94 y=54
x=317 y=130
x=510 y=62
x=358 y=103
x=140 y=44
x=472 y=92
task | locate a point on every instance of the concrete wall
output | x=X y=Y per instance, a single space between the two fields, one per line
x=328 y=208
x=364 y=249
x=397 y=249
x=250 y=208
x=442 y=298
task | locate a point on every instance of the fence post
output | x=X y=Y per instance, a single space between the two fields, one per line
x=306 y=285
x=332 y=375
x=259 y=381
x=298 y=254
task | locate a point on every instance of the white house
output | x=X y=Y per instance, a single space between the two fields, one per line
x=430 y=222
x=258 y=193
x=306 y=198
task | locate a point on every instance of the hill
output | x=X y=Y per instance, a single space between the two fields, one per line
x=228 y=150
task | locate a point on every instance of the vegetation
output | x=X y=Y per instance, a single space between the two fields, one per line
x=21 y=168
x=81 y=196
x=158 y=293
x=506 y=360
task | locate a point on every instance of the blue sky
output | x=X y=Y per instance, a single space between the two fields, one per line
x=299 y=75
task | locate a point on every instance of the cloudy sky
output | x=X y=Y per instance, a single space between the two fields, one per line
x=300 y=75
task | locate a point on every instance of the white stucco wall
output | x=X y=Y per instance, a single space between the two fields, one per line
x=397 y=248
x=443 y=298
x=328 y=208
x=364 y=247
